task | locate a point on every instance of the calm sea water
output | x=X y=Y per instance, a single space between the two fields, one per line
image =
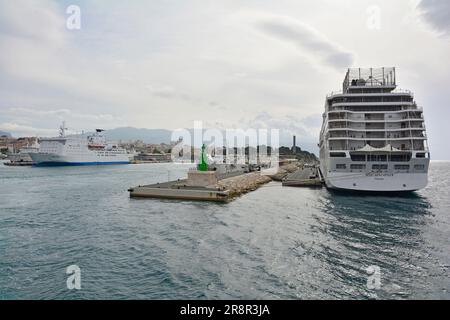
x=276 y=242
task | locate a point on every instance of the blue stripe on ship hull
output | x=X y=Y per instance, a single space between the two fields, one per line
x=61 y=164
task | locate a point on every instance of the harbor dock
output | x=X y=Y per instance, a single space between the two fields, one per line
x=303 y=177
x=224 y=182
x=179 y=190
x=219 y=183
x=222 y=190
x=18 y=163
x=284 y=171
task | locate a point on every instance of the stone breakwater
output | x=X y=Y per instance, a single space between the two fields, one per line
x=244 y=183
x=284 y=171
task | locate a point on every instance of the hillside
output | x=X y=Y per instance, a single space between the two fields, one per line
x=3 y=133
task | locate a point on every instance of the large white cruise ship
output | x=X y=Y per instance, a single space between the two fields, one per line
x=78 y=150
x=373 y=135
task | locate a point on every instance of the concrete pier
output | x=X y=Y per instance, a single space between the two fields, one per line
x=18 y=163
x=179 y=190
x=213 y=186
x=303 y=177
x=221 y=191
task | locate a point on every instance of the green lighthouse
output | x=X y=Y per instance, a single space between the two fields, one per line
x=203 y=166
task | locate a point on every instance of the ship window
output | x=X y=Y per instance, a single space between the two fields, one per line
x=419 y=167
x=374 y=157
x=400 y=157
x=420 y=155
x=357 y=166
x=379 y=167
x=401 y=167
x=337 y=155
x=358 y=157
x=341 y=166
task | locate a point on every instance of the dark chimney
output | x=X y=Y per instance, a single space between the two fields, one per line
x=294 y=147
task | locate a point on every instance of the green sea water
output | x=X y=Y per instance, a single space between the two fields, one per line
x=274 y=243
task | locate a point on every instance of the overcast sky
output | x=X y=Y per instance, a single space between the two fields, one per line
x=247 y=63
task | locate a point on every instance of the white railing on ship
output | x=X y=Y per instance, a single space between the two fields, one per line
x=334 y=93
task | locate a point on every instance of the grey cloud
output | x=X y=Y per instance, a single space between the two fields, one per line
x=39 y=20
x=162 y=92
x=313 y=121
x=306 y=129
x=437 y=14
x=25 y=130
x=22 y=121
x=167 y=92
x=306 y=38
x=61 y=113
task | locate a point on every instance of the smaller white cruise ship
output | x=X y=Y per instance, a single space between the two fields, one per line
x=78 y=150
x=373 y=135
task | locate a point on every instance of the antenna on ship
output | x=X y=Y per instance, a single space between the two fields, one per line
x=62 y=130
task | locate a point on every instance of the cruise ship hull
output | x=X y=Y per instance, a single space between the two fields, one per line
x=78 y=151
x=373 y=182
x=53 y=160
x=373 y=136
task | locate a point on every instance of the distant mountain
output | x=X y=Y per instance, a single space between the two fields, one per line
x=147 y=135
x=3 y=133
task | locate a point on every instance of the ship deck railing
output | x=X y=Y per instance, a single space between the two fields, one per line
x=369 y=77
x=368 y=152
x=374 y=110
x=376 y=121
x=396 y=91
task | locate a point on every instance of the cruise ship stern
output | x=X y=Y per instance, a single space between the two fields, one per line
x=373 y=136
